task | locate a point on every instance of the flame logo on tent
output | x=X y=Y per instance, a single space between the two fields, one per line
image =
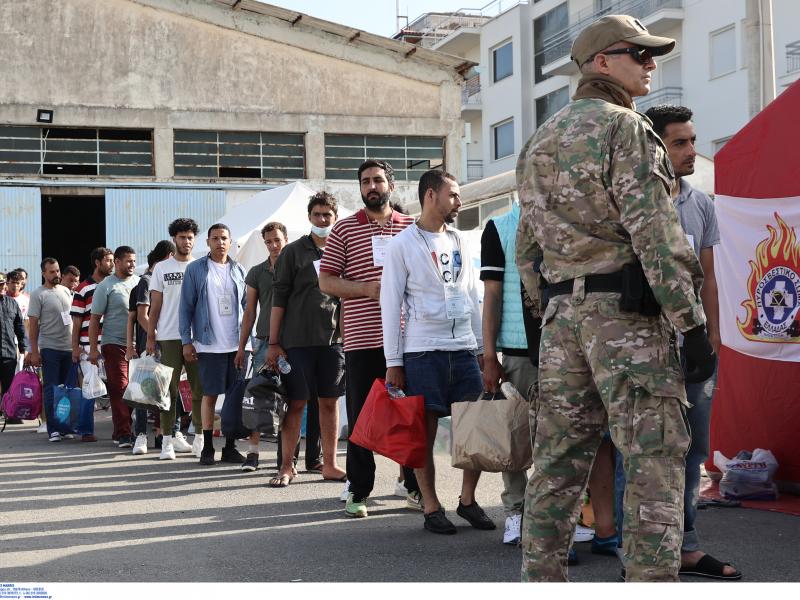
x=774 y=289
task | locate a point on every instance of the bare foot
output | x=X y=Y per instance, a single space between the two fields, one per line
x=333 y=473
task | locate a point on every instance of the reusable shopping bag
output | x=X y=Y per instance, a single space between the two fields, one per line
x=69 y=405
x=185 y=392
x=264 y=405
x=23 y=400
x=148 y=384
x=492 y=433
x=392 y=427
x=231 y=414
x=93 y=385
x=747 y=476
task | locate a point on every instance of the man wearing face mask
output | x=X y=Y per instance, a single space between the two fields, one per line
x=304 y=329
x=351 y=270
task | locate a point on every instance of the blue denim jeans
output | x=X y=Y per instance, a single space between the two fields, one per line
x=699 y=396
x=56 y=365
x=442 y=378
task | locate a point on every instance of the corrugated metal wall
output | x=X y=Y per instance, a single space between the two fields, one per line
x=21 y=231
x=139 y=217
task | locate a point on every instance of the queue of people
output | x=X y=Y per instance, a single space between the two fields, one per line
x=591 y=281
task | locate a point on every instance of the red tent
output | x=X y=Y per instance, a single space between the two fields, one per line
x=757 y=264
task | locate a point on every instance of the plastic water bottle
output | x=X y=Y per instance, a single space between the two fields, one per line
x=394 y=392
x=283 y=365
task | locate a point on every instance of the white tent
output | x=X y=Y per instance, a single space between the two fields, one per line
x=287 y=204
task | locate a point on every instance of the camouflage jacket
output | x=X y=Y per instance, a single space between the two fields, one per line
x=594 y=185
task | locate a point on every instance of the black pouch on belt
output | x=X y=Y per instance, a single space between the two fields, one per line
x=636 y=294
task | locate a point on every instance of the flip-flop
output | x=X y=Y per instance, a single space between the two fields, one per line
x=317 y=468
x=721 y=502
x=343 y=478
x=280 y=481
x=710 y=567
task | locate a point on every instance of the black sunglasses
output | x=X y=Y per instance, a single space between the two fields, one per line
x=640 y=55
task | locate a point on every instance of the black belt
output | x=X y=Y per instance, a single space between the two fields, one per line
x=604 y=282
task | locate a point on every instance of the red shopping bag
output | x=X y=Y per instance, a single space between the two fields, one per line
x=185 y=392
x=392 y=427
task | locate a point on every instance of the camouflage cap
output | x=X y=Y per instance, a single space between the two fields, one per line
x=611 y=29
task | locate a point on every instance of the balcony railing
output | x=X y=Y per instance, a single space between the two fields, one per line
x=559 y=45
x=666 y=95
x=471 y=94
x=474 y=170
x=793 y=57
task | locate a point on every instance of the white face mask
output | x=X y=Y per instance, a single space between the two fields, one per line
x=321 y=231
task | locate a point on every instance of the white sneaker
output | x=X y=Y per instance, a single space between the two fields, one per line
x=180 y=444
x=140 y=446
x=55 y=437
x=42 y=428
x=512 y=535
x=400 y=489
x=414 y=501
x=167 y=449
x=197 y=444
x=583 y=534
x=69 y=436
x=343 y=497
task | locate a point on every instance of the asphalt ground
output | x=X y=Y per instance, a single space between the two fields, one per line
x=91 y=512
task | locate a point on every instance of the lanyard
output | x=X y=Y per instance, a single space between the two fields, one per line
x=436 y=265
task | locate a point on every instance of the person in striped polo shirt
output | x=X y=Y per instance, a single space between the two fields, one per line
x=81 y=311
x=351 y=269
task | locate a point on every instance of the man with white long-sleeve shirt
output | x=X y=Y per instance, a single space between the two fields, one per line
x=427 y=276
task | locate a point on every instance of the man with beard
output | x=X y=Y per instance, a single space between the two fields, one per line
x=429 y=279
x=50 y=337
x=351 y=269
x=110 y=302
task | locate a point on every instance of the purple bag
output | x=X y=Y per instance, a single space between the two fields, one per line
x=23 y=400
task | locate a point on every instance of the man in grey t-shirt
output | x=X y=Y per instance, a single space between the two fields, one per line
x=110 y=301
x=696 y=214
x=51 y=338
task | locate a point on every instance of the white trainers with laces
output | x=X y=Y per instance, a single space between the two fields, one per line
x=512 y=535
x=343 y=497
x=180 y=444
x=140 y=446
x=197 y=444
x=42 y=428
x=56 y=437
x=167 y=449
x=400 y=489
x=414 y=501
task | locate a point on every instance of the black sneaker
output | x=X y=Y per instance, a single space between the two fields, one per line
x=475 y=515
x=436 y=522
x=158 y=440
x=207 y=456
x=232 y=455
x=126 y=442
x=251 y=462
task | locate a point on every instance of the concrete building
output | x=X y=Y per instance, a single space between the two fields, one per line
x=721 y=68
x=117 y=116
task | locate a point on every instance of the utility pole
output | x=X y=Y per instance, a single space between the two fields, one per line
x=760 y=55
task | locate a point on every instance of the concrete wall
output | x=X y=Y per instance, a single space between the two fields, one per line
x=120 y=63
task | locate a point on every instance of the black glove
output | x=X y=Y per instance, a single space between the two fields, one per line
x=700 y=358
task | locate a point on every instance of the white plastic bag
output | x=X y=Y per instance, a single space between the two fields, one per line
x=747 y=477
x=148 y=384
x=93 y=386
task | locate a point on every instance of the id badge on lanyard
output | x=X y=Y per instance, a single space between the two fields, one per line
x=379 y=243
x=225 y=305
x=66 y=319
x=454 y=301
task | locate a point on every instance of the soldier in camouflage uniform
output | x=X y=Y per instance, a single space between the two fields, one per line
x=594 y=185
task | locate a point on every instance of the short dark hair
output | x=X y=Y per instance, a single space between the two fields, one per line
x=99 y=254
x=398 y=207
x=14 y=275
x=181 y=225
x=432 y=180
x=120 y=252
x=49 y=260
x=72 y=270
x=272 y=226
x=381 y=164
x=21 y=270
x=666 y=114
x=161 y=252
x=323 y=199
x=218 y=226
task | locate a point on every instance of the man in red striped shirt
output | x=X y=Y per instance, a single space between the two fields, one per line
x=351 y=269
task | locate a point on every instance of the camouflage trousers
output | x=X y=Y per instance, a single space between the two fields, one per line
x=599 y=366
